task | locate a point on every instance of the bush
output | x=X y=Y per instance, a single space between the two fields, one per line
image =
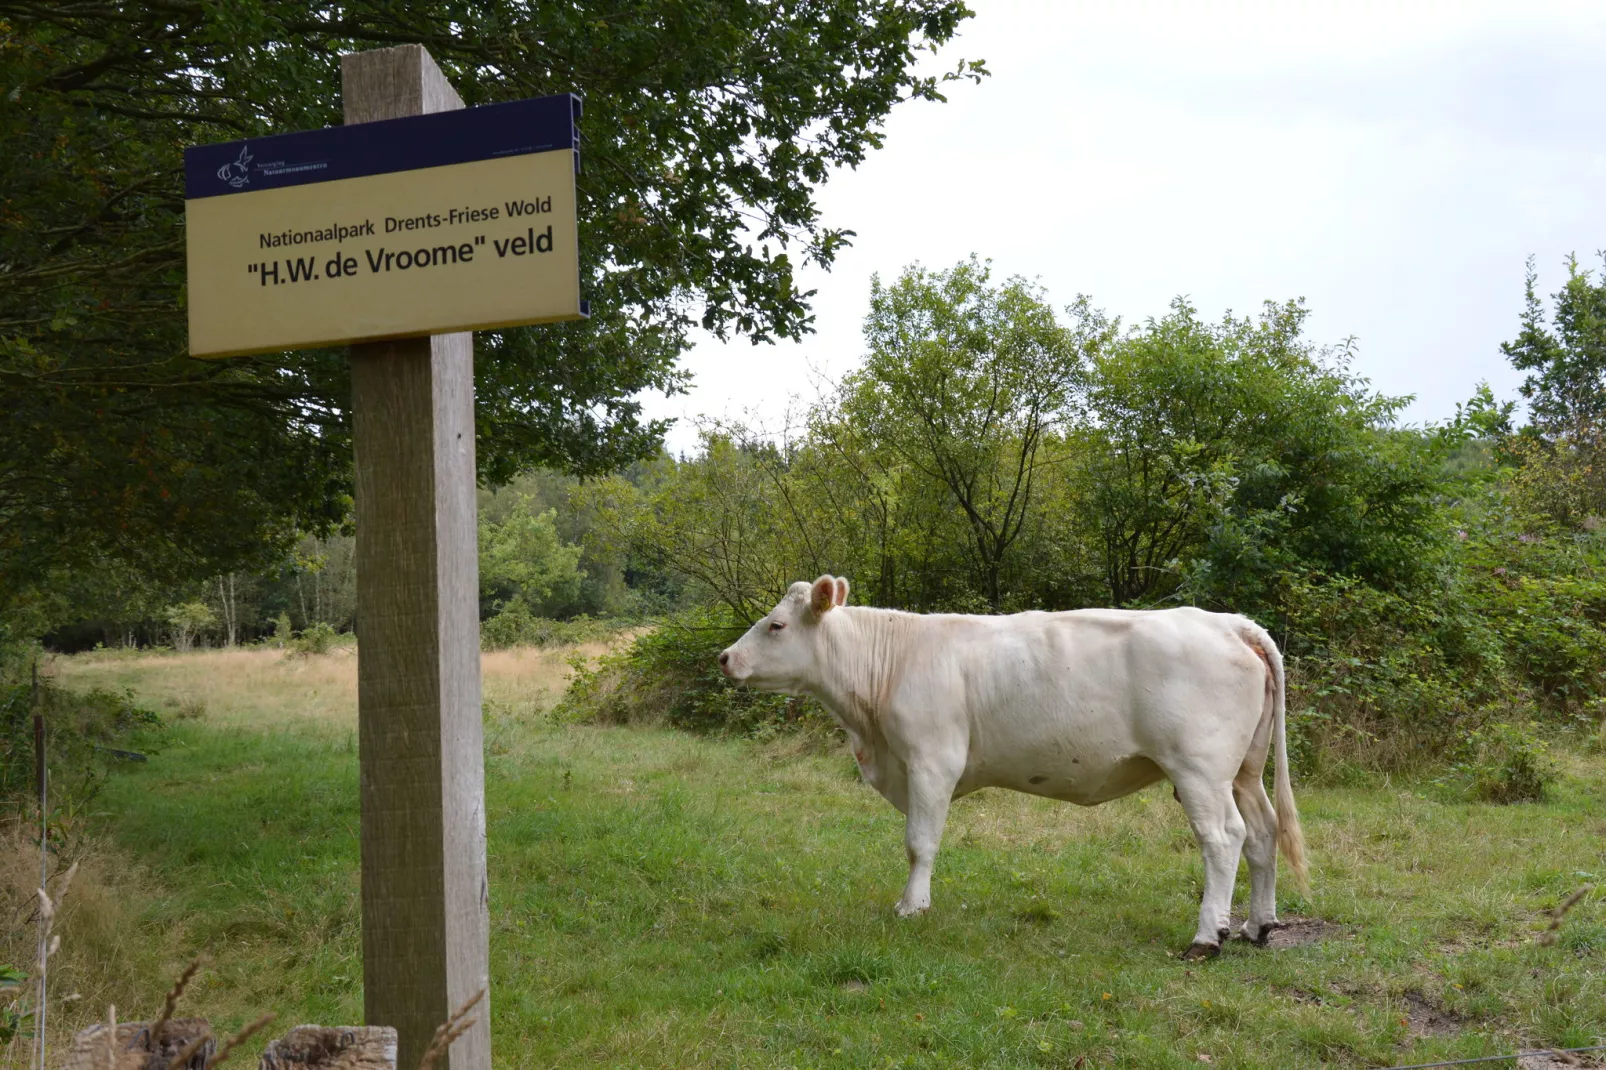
x=515 y=625
x=1505 y=763
x=1384 y=681
x=283 y=633
x=671 y=675
x=316 y=638
x=80 y=730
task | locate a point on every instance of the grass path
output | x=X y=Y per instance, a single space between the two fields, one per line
x=663 y=900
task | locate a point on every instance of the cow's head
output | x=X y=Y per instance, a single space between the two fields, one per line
x=782 y=651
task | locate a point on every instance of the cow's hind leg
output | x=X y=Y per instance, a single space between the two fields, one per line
x=931 y=789
x=1260 y=850
x=1220 y=830
x=1260 y=820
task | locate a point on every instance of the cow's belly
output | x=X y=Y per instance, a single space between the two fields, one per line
x=1069 y=773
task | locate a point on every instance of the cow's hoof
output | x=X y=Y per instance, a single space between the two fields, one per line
x=1262 y=938
x=1198 y=952
x=907 y=910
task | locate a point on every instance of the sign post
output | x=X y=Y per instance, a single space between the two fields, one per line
x=400 y=233
x=425 y=898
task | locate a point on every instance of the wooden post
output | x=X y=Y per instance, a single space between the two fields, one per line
x=425 y=922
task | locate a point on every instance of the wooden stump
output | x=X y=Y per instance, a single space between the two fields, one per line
x=319 y=1047
x=131 y=1050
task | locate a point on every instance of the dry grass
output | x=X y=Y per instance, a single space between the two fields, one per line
x=529 y=677
x=260 y=686
x=244 y=686
x=103 y=955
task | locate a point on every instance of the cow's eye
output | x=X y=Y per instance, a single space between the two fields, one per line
x=777 y=625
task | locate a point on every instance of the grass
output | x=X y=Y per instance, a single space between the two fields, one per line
x=664 y=900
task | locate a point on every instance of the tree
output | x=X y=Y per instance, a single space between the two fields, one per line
x=1223 y=457
x=707 y=130
x=1566 y=387
x=187 y=621
x=523 y=558
x=1562 y=474
x=716 y=520
x=964 y=380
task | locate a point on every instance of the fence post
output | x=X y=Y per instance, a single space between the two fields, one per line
x=41 y=786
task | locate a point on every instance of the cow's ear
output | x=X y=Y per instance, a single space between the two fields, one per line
x=841 y=591
x=822 y=596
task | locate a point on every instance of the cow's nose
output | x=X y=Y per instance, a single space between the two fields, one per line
x=724 y=658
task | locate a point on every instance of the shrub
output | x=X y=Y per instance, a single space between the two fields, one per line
x=283 y=633
x=1505 y=763
x=515 y=625
x=80 y=729
x=316 y=638
x=1385 y=681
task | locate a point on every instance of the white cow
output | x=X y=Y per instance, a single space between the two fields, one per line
x=1084 y=706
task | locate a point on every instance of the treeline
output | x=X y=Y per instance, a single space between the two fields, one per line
x=1440 y=590
x=543 y=563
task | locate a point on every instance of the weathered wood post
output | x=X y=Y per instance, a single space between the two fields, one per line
x=425 y=922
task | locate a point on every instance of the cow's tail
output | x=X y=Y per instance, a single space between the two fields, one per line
x=1290 y=837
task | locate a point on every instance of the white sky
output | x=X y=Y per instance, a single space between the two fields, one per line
x=1391 y=163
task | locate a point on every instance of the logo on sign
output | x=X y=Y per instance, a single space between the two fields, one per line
x=237 y=173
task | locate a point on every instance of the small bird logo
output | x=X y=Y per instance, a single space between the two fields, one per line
x=237 y=173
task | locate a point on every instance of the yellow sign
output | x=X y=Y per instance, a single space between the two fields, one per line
x=284 y=255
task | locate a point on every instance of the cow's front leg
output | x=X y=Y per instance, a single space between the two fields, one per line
x=930 y=790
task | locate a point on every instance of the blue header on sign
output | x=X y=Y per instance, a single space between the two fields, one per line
x=517 y=128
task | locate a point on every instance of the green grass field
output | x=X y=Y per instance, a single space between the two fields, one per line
x=665 y=900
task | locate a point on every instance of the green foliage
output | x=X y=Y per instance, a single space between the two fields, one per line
x=1223 y=456
x=1544 y=599
x=1423 y=582
x=81 y=731
x=14 y=1009
x=671 y=675
x=720 y=520
x=514 y=625
x=1566 y=385
x=964 y=381
x=1509 y=630
x=698 y=120
x=283 y=633
x=187 y=622
x=1381 y=679
x=316 y=638
x=1504 y=763
x=522 y=558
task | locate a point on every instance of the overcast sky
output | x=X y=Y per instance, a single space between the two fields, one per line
x=1391 y=163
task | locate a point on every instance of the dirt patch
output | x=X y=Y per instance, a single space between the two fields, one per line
x=1423 y=1019
x=1297 y=932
